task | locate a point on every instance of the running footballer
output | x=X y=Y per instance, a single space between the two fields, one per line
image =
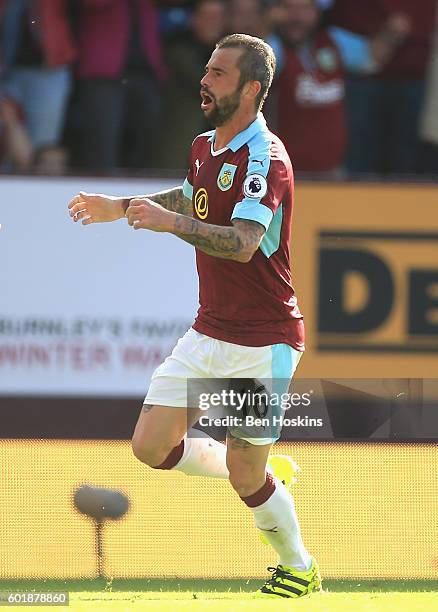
x=235 y=207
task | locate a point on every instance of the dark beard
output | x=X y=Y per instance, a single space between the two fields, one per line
x=228 y=106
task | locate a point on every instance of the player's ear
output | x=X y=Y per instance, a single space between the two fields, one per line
x=252 y=89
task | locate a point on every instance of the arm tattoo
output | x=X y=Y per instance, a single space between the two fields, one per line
x=174 y=200
x=216 y=240
x=171 y=199
x=237 y=243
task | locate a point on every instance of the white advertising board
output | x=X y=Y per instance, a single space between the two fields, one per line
x=86 y=310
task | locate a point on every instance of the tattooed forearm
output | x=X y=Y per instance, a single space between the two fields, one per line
x=237 y=243
x=171 y=199
x=175 y=200
x=217 y=240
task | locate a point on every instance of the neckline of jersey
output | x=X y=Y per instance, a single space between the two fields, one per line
x=241 y=138
x=215 y=153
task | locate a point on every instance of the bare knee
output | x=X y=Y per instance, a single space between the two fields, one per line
x=245 y=480
x=158 y=431
x=152 y=453
x=246 y=464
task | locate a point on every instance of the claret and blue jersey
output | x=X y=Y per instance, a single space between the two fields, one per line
x=252 y=304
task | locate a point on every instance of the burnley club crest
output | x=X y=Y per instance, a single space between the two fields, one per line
x=226 y=177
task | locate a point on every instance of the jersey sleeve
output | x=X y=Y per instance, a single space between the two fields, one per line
x=188 y=182
x=262 y=191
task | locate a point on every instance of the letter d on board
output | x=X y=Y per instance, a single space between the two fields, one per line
x=334 y=265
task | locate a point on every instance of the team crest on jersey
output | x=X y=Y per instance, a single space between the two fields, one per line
x=255 y=186
x=327 y=59
x=226 y=177
x=200 y=202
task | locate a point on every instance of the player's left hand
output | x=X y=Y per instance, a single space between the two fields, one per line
x=143 y=213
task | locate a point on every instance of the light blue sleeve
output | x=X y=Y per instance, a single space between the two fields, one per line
x=253 y=210
x=354 y=49
x=187 y=190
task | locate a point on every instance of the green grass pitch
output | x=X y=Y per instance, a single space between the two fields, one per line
x=234 y=595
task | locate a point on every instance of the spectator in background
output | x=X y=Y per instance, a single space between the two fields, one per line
x=174 y=15
x=187 y=53
x=428 y=162
x=50 y=161
x=120 y=73
x=384 y=109
x=309 y=104
x=37 y=51
x=246 y=16
x=257 y=18
x=16 y=150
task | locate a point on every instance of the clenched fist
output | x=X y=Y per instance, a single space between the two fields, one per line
x=143 y=213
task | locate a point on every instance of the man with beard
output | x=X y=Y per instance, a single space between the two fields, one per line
x=235 y=207
x=310 y=111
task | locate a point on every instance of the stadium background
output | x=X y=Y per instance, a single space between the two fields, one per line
x=86 y=314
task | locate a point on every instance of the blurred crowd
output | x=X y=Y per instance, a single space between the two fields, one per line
x=102 y=85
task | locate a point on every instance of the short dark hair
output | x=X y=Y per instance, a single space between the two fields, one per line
x=256 y=63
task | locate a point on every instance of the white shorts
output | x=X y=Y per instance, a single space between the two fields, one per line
x=197 y=356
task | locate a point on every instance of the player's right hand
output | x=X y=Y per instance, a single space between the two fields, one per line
x=95 y=208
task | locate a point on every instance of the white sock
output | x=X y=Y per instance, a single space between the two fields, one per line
x=278 y=513
x=203 y=456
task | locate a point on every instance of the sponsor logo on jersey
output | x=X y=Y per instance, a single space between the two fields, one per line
x=311 y=92
x=255 y=186
x=201 y=203
x=226 y=177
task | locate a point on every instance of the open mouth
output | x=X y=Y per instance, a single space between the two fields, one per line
x=207 y=100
